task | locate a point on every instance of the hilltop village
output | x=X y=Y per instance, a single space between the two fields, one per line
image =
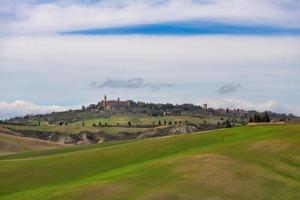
x=154 y=109
x=119 y=120
x=106 y=108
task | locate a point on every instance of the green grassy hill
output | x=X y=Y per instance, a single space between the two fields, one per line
x=257 y=162
x=77 y=127
x=148 y=120
x=15 y=144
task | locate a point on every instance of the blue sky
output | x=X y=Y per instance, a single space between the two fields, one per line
x=190 y=28
x=60 y=54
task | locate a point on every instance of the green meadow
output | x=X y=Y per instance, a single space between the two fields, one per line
x=74 y=129
x=148 y=120
x=251 y=162
x=14 y=144
x=137 y=123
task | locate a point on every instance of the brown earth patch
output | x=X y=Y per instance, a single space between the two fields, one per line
x=100 y=191
x=16 y=144
x=220 y=174
x=273 y=146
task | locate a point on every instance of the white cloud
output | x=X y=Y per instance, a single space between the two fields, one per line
x=270 y=105
x=21 y=108
x=70 y=15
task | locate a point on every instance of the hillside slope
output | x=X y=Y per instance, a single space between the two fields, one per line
x=10 y=143
x=259 y=162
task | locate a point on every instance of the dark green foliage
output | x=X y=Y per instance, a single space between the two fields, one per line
x=260 y=118
x=228 y=124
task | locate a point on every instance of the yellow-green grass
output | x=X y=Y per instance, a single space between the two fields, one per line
x=15 y=144
x=147 y=120
x=257 y=162
x=74 y=128
x=77 y=127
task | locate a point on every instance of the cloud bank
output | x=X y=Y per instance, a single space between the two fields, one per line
x=133 y=83
x=269 y=105
x=22 y=108
x=29 y=16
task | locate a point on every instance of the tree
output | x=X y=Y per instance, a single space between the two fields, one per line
x=129 y=123
x=105 y=124
x=39 y=123
x=170 y=123
x=266 y=117
x=153 y=123
x=94 y=124
x=175 y=122
x=82 y=123
x=100 y=124
x=228 y=125
x=251 y=119
x=165 y=122
x=159 y=123
x=60 y=123
x=66 y=123
x=186 y=121
x=118 y=124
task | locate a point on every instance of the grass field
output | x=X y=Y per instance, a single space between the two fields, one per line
x=74 y=129
x=148 y=120
x=16 y=144
x=255 y=162
x=77 y=127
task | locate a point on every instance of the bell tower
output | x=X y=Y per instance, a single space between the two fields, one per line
x=105 y=101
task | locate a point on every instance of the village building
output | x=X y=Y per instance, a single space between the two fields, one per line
x=114 y=104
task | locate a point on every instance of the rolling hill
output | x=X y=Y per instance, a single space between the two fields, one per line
x=12 y=143
x=252 y=162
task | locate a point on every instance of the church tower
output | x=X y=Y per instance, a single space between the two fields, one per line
x=105 y=101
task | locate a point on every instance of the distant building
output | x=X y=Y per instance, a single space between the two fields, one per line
x=167 y=114
x=205 y=106
x=114 y=104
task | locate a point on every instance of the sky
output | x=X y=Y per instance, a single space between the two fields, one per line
x=56 y=55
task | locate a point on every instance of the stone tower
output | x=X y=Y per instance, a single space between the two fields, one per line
x=105 y=101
